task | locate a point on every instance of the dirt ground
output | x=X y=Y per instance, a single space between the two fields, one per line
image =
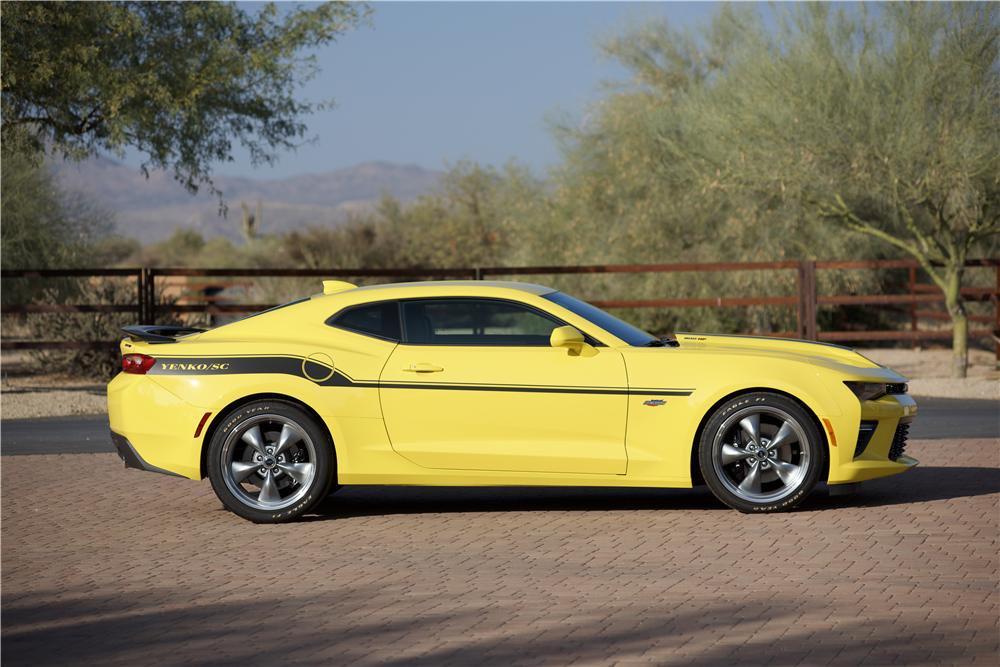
x=25 y=393
x=929 y=372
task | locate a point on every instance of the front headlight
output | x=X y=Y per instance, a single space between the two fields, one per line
x=868 y=391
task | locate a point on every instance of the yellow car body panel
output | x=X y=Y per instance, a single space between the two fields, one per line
x=432 y=424
x=607 y=414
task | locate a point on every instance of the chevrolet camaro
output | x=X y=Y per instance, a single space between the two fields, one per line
x=463 y=383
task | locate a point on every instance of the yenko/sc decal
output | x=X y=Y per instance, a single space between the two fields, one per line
x=171 y=366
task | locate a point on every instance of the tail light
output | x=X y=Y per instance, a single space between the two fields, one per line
x=137 y=364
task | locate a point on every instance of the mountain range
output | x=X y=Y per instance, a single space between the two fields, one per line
x=150 y=209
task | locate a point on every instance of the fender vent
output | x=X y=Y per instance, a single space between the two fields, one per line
x=899 y=442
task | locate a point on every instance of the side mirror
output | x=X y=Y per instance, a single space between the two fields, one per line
x=566 y=336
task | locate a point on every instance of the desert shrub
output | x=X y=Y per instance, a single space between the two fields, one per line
x=99 y=363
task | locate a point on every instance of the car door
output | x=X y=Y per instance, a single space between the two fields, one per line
x=475 y=385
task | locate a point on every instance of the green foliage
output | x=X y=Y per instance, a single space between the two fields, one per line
x=886 y=122
x=477 y=218
x=42 y=226
x=744 y=143
x=187 y=247
x=179 y=82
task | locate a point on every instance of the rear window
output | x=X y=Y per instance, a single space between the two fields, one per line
x=380 y=320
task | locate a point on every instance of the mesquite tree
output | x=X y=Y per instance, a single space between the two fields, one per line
x=180 y=83
x=884 y=120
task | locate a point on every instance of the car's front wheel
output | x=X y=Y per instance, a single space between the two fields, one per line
x=761 y=452
x=269 y=461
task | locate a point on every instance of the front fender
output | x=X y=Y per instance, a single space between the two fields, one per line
x=661 y=439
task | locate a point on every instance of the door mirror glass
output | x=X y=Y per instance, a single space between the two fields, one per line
x=566 y=336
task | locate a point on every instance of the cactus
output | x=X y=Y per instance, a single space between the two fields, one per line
x=250 y=221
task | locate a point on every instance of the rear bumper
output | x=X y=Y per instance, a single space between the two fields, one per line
x=131 y=458
x=153 y=429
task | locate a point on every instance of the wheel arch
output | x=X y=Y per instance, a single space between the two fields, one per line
x=285 y=398
x=696 y=477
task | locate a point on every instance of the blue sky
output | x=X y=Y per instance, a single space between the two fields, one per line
x=434 y=83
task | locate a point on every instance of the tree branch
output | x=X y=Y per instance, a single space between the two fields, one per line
x=843 y=212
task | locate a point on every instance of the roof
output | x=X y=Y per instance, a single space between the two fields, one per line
x=531 y=288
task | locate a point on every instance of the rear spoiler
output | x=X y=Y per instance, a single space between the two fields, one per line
x=159 y=334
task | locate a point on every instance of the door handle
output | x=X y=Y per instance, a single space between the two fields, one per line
x=423 y=367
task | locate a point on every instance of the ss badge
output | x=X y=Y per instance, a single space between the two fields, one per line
x=654 y=402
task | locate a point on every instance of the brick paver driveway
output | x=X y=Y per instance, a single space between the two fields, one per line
x=106 y=565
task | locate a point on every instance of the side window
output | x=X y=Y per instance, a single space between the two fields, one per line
x=475 y=322
x=380 y=320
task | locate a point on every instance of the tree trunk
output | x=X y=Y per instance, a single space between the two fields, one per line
x=959 y=323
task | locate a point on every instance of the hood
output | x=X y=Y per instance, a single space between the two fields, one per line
x=802 y=350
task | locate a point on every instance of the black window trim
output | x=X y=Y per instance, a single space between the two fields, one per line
x=331 y=321
x=402 y=321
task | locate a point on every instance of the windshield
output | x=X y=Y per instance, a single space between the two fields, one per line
x=633 y=336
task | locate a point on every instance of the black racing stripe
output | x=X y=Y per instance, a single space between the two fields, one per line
x=535 y=389
x=640 y=391
x=500 y=387
x=246 y=365
x=289 y=365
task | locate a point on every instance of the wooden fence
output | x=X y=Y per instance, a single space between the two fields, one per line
x=806 y=302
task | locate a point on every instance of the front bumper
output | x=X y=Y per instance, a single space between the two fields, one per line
x=882 y=455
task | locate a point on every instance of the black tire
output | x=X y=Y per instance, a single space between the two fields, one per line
x=800 y=456
x=313 y=446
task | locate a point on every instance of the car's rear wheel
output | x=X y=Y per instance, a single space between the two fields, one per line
x=761 y=452
x=269 y=462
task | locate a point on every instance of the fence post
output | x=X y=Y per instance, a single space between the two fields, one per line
x=807 y=300
x=151 y=296
x=478 y=273
x=913 y=307
x=140 y=302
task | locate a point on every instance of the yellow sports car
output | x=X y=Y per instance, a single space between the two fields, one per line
x=464 y=383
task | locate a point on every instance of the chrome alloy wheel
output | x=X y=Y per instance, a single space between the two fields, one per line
x=761 y=454
x=269 y=462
